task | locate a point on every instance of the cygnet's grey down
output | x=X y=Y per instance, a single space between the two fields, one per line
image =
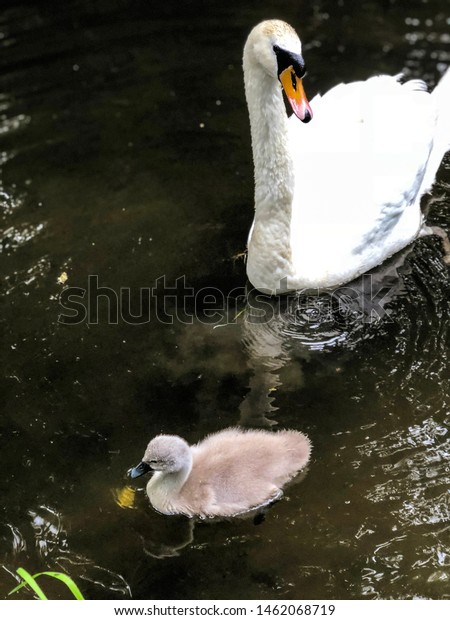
x=229 y=473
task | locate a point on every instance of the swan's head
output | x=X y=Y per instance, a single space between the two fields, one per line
x=276 y=47
x=168 y=453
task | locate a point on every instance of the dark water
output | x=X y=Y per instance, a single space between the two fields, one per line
x=125 y=154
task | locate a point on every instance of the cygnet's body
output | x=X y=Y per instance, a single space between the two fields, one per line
x=228 y=473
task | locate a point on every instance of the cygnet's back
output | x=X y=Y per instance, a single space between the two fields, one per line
x=228 y=473
x=245 y=469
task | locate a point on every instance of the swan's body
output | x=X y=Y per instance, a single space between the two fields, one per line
x=228 y=473
x=337 y=196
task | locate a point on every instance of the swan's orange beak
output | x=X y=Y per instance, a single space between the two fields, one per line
x=293 y=87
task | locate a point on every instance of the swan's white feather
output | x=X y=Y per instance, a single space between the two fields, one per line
x=359 y=165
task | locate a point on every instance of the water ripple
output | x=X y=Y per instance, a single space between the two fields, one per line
x=14 y=123
x=16 y=236
x=52 y=547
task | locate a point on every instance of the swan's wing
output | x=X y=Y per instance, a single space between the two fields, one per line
x=368 y=142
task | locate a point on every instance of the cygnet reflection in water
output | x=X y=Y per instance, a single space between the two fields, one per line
x=229 y=473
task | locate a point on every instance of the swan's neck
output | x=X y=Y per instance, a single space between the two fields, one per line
x=164 y=487
x=274 y=169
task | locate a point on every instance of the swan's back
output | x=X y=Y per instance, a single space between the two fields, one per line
x=234 y=471
x=371 y=141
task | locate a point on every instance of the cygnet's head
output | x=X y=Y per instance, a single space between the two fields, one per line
x=276 y=47
x=168 y=453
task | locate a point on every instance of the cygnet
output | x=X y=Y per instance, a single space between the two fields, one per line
x=229 y=473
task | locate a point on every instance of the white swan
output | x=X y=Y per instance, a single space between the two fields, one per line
x=336 y=196
x=227 y=474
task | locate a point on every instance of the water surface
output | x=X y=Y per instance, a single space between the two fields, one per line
x=125 y=154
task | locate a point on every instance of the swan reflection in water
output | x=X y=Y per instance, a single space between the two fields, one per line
x=286 y=331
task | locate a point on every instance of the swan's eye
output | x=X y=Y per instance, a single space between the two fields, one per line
x=294 y=80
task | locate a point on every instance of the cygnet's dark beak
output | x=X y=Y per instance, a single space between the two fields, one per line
x=139 y=470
